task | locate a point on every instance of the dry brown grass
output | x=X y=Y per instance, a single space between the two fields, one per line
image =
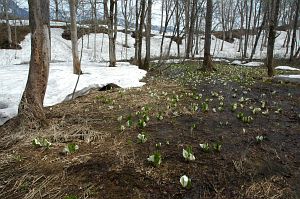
x=271 y=188
x=111 y=164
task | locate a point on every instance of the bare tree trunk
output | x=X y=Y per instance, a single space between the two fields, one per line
x=126 y=28
x=31 y=105
x=56 y=9
x=9 y=37
x=112 y=33
x=140 y=34
x=248 y=26
x=137 y=14
x=295 y=31
x=288 y=18
x=297 y=53
x=171 y=41
x=168 y=16
x=74 y=38
x=272 y=36
x=258 y=35
x=178 y=27
x=187 y=22
x=94 y=19
x=191 y=30
x=125 y=15
x=242 y=31
x=196 y=51
x=162 y=16
x=288 y=41
x=148 y=36
x=232 y=21
x=207 y=62
x=223 y=24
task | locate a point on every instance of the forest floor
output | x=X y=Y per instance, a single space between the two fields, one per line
x=185 y=108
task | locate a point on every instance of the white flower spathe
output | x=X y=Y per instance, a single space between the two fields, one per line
x=185 y=181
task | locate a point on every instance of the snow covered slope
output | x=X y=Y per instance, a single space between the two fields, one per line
x=14 y=71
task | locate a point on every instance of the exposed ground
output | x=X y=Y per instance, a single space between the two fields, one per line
x=22 y=31
x=111 y=163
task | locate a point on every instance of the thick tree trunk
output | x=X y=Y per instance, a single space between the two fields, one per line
x=207 y=62
x=9 y=37
x=140 y=34
x=295 y=31
x=272 y=36
x=148 y=36
x=74 y=38
x=31 y=105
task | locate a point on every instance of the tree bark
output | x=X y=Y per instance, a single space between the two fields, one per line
x=242 y=30
x=140 y=32
x=137 y=14
x=187 y=22
x=74 y=38
x=112 y=30
x=248 y=26
x=207 y=62
x=272 y=36
x=295 y=31
x=223 y=24
x=31 y=105
x=191 y=27
x=148 y=36
x=162 y=16
x=177 y=27
x=9 y=37
x=56 y=9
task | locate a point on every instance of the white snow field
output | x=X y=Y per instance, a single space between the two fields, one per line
x=14 y=71
x=14 y=65
x=62 y=82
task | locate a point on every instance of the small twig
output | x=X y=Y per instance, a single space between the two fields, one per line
x=80 y=71
x=75 y=86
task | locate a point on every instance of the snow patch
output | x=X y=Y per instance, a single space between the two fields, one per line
x=287 y=68
x=250 y=64
x=288 y=78
x=62 y=81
